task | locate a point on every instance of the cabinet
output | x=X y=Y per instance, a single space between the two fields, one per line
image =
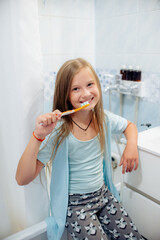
x=141 y=188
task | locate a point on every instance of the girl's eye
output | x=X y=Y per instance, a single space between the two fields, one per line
x=90 y=84
x=75 y=89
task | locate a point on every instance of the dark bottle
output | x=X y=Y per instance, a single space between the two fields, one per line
x=134 y=74
x=137 y=74
x=130 y=73
x=123 y=72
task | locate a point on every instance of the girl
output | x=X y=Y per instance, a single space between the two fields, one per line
x=84 y=201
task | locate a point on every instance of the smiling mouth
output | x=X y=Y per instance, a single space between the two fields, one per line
x=89 y=101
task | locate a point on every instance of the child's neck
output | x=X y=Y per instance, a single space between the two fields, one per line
x=82 y=116
x=84 y=121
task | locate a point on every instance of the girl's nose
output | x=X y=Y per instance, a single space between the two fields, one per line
x=85 y=92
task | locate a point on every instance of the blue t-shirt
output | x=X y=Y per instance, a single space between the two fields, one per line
x=85 y=165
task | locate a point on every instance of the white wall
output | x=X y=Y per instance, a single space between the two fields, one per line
x=108 y=33
x=67 y=31
x=128 y=32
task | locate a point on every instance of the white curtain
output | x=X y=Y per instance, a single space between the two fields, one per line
x=21 y=101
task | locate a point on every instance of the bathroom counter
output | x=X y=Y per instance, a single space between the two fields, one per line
x=149 y=140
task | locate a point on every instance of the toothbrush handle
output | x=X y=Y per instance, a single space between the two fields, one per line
x=67 y=113
x=74 y=110
x=84 y=106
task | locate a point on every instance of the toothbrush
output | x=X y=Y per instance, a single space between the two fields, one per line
x=83 y=105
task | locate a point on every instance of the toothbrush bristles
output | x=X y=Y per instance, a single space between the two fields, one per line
x=84 y=103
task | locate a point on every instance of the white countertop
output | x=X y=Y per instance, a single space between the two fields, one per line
x=149 y=140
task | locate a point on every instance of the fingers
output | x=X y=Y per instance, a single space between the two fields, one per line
x=128 y=164
x=123 y=163
x=46 y=123
x=136 y=164
x=45 y=120
x=49 y=118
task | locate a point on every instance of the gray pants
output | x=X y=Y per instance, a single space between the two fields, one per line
x=98 y=216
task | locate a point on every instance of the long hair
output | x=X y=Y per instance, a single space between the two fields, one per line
x=61 y=100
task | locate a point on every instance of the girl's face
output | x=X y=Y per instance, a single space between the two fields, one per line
x=84 y=88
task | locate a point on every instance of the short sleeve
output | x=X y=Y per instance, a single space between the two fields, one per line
x=117 y=123
x=46 y=150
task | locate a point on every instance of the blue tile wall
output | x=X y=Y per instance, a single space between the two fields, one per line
x=152 y=83
x=118 y=32
x=127 y=32
x=149 y=110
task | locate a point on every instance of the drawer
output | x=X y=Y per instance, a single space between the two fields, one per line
x=144 y=213
x=147 y=177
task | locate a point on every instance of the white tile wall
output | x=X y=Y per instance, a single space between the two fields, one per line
x=131 y=32
x=62 y=35
x=85 y=9
x=123 y=7
x=67 y=31
x=116 y=35
x=128 y=32
x=113 y=32
x=149 y=32
x=149 y=5
x=63 y=8
x=104 y=9
x=112 y=8
x=108 y=33
x=84 y=36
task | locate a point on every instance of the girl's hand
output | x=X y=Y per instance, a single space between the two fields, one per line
x=46 y=123
x=129 y=158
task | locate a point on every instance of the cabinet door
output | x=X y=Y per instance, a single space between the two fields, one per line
x=144 y=213
x=147 y=177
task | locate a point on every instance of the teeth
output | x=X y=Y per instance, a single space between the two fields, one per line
x=84 y=103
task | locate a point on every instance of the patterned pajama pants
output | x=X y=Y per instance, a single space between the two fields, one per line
x=98 y=216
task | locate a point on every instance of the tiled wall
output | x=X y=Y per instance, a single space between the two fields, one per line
x=67 y=31
x=128 y=32
x=108 y=33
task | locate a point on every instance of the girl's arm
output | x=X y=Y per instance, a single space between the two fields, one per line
x=28 y=166
x=129 y=158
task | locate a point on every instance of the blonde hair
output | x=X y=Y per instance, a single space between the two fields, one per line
x=61 y=100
